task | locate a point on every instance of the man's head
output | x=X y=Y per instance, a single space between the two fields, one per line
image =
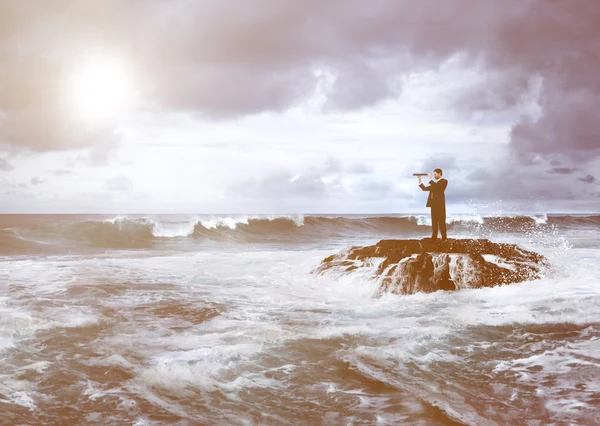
x=437 y=173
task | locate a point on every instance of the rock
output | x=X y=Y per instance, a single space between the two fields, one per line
x=412 y=266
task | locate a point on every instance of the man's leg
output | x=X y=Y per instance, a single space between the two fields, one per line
x=434 y=223
x=442 y=220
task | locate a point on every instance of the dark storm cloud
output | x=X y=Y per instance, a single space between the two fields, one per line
x=588 y=179
x=502 y=181
x=499 y=178
x=562 y=170
x=366 y=45
x=207 y=58
x=498 y=91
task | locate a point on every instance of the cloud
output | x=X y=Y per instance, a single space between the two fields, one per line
x=284 y=184
x=498 y=178
x=372 y=189
x=360 y=168
x=97 y=156
x=446 y=162
x=562 y=170
x=19 y=194
x=522 y=185
x=332 y=165
x=62 y=172
x=13 y=184
x=119 y=184
x=330 y=181
x=365 y=48
x=313 y=182
x=335 y=165
x=479 y=174
x=5 y=165
x=202 y=58
x=588 y=179
x=495 y=90
x=36 y=181
x=101 y=155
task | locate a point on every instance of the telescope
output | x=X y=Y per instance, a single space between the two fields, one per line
x=420 y=174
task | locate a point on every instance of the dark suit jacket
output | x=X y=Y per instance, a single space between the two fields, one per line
x=436 y=198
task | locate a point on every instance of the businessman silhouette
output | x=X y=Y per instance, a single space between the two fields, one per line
x=437 y=201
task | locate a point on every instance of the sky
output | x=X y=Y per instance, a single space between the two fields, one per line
x=278 y=107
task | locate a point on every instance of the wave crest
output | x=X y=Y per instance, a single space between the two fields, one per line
x=143 y=232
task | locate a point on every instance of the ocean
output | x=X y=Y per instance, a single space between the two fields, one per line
x=219 y=320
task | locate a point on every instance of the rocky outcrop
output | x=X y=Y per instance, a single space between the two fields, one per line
x=412 y=266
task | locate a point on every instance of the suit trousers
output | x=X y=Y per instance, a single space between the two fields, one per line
x=438 y=220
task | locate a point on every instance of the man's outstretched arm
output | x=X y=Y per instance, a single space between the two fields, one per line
x=423 y=187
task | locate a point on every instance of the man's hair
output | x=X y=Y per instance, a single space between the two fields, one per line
x=438 y=171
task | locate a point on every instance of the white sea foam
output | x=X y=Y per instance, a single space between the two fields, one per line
x=23 y=399
x=174 y=229
x=498 y=261
x=267 y=299
x=14 y=325
x=232 y=222
x=185 y=226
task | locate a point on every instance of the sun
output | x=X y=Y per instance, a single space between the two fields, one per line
x=101 y=88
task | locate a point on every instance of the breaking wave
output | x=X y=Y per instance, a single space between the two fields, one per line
x=143 y=232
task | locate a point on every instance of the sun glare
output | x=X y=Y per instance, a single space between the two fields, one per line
x=101 y=89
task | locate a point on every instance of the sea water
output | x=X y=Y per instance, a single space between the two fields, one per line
x=211 y=319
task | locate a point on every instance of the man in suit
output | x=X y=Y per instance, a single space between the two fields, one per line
x=437 y=201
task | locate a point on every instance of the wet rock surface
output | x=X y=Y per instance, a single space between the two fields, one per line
x=412 y=266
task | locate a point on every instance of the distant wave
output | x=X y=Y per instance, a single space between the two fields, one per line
x=143 y=232
x=575 y=221
x=119 y=232
x=11 y=240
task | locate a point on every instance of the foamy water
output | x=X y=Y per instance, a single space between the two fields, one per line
x=238 y=331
